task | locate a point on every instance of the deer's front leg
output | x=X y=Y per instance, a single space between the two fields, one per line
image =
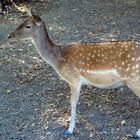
x=75 y=92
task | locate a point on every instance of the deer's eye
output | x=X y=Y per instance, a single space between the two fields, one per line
x=28 y=26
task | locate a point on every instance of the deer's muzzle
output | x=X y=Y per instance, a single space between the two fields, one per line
x=12 y=35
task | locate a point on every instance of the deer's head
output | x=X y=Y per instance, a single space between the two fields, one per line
x=28 y=29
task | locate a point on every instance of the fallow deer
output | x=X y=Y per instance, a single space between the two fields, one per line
x=104 y=65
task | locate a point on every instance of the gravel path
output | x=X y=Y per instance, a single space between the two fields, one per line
x=34 y=101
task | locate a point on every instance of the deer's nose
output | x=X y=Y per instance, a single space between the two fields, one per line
x=9 y=36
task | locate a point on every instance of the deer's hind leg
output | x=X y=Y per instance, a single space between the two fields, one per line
x=134 y=86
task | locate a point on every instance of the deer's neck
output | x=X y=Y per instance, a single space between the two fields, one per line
x=46 y=48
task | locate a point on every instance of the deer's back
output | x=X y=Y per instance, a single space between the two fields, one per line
x=122 y=58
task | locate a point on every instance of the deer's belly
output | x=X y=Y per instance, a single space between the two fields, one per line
x=103 y=79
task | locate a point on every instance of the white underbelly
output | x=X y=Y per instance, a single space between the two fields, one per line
x=103 y=79
x=108 y=86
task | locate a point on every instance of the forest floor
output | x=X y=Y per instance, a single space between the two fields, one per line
x=34 y=101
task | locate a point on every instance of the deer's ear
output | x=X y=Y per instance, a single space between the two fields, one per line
x=36 y=18
x=29 y=12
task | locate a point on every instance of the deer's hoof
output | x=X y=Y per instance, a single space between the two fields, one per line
x=136 y=137
x=67 y=133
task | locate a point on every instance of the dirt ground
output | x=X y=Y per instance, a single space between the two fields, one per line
x=34 y=101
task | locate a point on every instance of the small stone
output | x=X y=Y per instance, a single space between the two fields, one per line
x=30 y=45
x=104 y=132
x=9 y=91
x=20 y=49
x=91 y=135
x=123 y=122
x=33 y=124
x=35 y=58
x=46 y=127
